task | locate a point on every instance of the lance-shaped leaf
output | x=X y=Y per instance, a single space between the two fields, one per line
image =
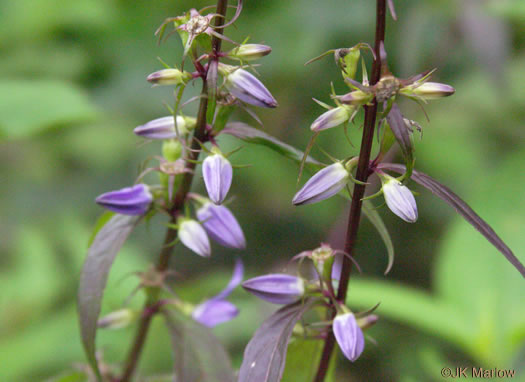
x=252 y=135
x=94 y=275
x=402 y=134
x=461 y=208
x=198 y=355
x=373 y=217
x=265 y=354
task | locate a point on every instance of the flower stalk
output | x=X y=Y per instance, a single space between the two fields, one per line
x=362 y=174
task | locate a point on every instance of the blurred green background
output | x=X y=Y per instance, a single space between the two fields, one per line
x=72 y=88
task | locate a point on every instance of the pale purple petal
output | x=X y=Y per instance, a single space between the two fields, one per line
x=217 y=172
x=161 y=128
x=215 y=311
x=238 y=274
x=193 y=236
x=349 y=336
x=127 y=201
x=221 y=225
x=246 y=87
x=400 y=200
x=324 y=184
x=276 y=288
x=332 y=118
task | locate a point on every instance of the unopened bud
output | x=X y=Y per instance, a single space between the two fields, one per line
x=349 y=336
x=217 y=173
x=324 y=184
x=276 y=288
x=164 y=128
x=117 y=319
x=127 y=201
x=169 y=77
x=399 y=198
x=357 y=97
x=250 y=52
x=428 y=90
x=332 y=118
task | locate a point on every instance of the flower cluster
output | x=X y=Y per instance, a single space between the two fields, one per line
x=279 y=288
x=195 y=218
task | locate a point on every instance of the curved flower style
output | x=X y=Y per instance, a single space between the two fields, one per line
x=276 y=288
x=127 y=201
x=349 y=336
x=217 y=310
x=221 y=225
x=399 y=199
x=193 y=236
x=324 y=184
x=246 y=87
x=164 y=128
x=217 y=172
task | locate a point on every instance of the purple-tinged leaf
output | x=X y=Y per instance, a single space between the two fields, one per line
x=265 y=354
x=461 y=208
x=401 y=132
x=94 y=275
x=198 y=355
x=252 y=135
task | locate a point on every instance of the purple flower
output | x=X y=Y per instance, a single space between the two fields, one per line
x=332 y=118
x=349 y=336
x=127 y=201
x=217 y=310
x=276 y=288
x=324 y=184
x=246 y=87
x=193 y=236
x=399 y=199
x=164 y=128
x=217 y=173
x=221 y=225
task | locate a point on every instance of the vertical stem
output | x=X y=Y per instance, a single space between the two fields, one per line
x=200 y=135
x=362 y=174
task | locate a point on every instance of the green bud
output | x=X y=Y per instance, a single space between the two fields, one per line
x=117 y=319
x=249 y=52
x=169 y=77
x=171 y=150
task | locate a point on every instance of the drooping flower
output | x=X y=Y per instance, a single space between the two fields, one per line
x=169 y=77
x=217 y=310
x=217 y=172
x=399 y=198
x=276 y=288
x=246 y=87
x=164 y=128
x=349 y=336
x=193 y=236
x=221 y=225
x=127 y=201
x=332 y=118
x=324 y=184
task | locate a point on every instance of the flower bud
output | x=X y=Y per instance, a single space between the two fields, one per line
x=399 y=199
x=246 y=87
x=250 y=52
x=164 y=128
x=117 y=319
x=357 y=97
x=217 y=173
x=171 y=150
x=169 y=77
x=324 y=184
x=193 y=236
x=349 y=336
x=221 y=225
x=127 y=201
x=428 y=90
x=276 y=288
x=332 y=118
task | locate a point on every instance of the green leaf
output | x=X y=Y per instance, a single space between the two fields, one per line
x=299 y=350
x=31 y=107
x=198 y=355
x=373 y=216
x=265 y=354
x=76 y=376
x=93 y=277
x=252 y=135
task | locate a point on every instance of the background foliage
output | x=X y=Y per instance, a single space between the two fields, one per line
x=72 y=88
